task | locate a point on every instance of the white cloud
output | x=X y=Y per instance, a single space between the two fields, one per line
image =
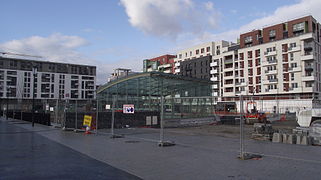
x=170 y=18
x=281 y=14
x=57 y=48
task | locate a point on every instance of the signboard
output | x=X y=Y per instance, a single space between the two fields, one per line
x=128 y=108
x=107 y=106
x=87 y=120
x=51 y=109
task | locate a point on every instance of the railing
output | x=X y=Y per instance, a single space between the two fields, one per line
x=273 y=80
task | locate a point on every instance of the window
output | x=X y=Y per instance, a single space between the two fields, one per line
x=208 y=49
x=202 y=50
x=271 y=49
x=294 y=85
x=248 y=39
x=294 y=65
x=197 y=51
x=190 y=53
x=291 y=57
x=298 y=27
x=308 y=84
x=180 y=56
x=272 y=33
x=249 y=54
x=292 y=45
x=292 y=76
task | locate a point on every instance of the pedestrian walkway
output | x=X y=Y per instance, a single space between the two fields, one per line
x=193 y=156
x=25 y=154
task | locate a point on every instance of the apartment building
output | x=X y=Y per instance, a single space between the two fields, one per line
x=52 y=80
x=276 y=60
x=163 y=63
x=200 y=62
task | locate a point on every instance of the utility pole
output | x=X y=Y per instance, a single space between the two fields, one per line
x=7 y=103
x=34 y=72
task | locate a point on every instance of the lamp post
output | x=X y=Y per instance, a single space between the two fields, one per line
x=34 y=72
x=7 y=95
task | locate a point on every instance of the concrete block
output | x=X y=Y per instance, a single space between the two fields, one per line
x=305 y=140
x=291 y=139
x=298 y=139
x=277 y=137
x=284 y=138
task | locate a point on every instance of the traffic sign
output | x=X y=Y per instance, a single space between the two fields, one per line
x=87 y=120
x=128 y=108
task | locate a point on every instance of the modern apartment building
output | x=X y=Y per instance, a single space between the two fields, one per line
x=163 y=63
x=52 y=80
x=280 y=59
x=201 y=62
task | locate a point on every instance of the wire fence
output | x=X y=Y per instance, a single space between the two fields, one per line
x=242 y=119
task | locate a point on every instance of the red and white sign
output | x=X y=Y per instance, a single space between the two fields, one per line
x=128 y=108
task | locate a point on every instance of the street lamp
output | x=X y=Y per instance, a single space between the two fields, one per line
x=34 y=72
x=8 y=89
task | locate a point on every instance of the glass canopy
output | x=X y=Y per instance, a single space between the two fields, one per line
x=144 y=90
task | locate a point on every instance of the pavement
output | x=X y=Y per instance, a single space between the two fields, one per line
x=27 y=155
x=195 y=156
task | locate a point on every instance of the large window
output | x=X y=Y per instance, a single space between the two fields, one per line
x=272 y=33
x=248 y=39
x=298 y=27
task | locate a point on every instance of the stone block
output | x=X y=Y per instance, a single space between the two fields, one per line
x=305 y=140
x=298 y=139
x=277 y=137
x=284 y=138
x=291 y=139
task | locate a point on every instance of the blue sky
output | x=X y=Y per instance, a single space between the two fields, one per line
x=121 y=33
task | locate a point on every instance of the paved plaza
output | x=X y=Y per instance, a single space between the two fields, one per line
x=137 y=155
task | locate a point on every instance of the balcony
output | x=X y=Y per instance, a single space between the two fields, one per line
x=308 y=78
x=177 y=64
x=307 y=57
x=270 y=81
x=228 y=69
x=270 y=62
x=213 y=64
x=294 y=69
x=308 y=67
x=228 y=61
x=271 y=72
x=214 y=71
x=177 y=70
x=229 y=77
x=271 y=91
x=306 y=36
x=273 y=80
x=308 y=89
x=214 y=78
x=214 y=86
x=308 y=46
x=229 y=85
x=214 y=93
x=293 y=49
x=272 y=53
x=240 y=84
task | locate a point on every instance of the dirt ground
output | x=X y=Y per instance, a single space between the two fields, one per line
x=231 y=131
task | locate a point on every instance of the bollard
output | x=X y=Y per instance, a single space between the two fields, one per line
x=277 y=138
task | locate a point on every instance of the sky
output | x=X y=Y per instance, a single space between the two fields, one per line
x=122 y=33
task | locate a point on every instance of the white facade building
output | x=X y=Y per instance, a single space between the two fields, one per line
x=212 y=49
x=52 y=80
